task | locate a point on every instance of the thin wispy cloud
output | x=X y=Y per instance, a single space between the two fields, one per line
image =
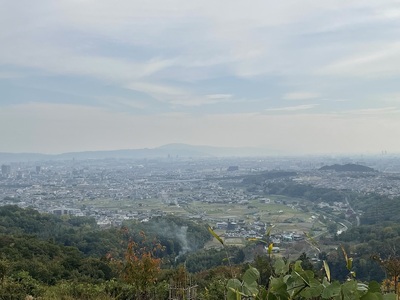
x=374 y=111
x=291 y=108
x=300 y=96
x=219 y=96
x=147 y=60
x=383 y=61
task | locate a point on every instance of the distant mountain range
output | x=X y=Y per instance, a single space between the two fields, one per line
x=347 y=168
x=170 y=150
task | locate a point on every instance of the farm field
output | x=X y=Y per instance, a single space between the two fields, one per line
x=283 y=212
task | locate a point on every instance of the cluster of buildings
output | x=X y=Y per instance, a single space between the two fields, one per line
x=383 y=183
x=66 y=187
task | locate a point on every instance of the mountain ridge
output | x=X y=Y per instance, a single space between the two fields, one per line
x=168 y=150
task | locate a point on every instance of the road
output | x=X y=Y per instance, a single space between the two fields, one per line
x=357 y=217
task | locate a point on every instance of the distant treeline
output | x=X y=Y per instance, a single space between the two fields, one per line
x=347 y=168
x=375 y=208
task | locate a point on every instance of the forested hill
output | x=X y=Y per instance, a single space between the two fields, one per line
x=175 y=234
x=49 y=258
x=39 y=251
x=79 y=232
x=347 y=168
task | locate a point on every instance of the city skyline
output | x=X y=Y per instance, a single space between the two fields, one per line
x=298 y=76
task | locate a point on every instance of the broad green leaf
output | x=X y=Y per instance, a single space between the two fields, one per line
x=374 y=287
x=251 y=275
x=315 y=283
x=263 y=294
x=233 y=289
x=250 y=289
x=294 y=283
x=325 y=282
x=302 y=278
x=278 y=288
x=234 y=283
x=349 y=290
x=379 y=295
x=309 y=275
x=277 y=283
x=297 y=266
x=332 y=290
x=390 y=296
x=286 y=278
x=281 y=267
x=312 y=292
x=233 y=294
x=237 y=292
x=369 y=296
x=269 y=296
x=306 y=293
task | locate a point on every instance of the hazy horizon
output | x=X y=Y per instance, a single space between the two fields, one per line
x=295 y=76
x=247 y=151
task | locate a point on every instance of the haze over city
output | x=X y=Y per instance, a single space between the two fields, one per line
x=292 y=76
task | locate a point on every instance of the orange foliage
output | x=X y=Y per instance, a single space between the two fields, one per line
x=140 y=267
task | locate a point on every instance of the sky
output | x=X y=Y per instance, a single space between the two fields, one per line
x=297 y=76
